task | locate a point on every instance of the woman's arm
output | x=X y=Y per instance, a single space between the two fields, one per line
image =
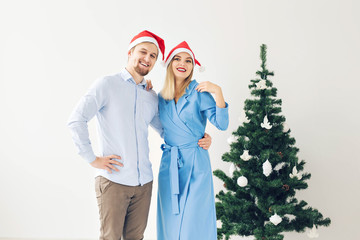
x=212 y=88
x=214 y=110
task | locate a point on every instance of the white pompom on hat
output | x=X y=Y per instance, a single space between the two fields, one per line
x=182 y=47
x=147 y=36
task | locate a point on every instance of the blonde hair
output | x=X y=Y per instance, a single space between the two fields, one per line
x=168 y=91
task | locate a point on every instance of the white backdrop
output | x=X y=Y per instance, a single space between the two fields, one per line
x=51 y=52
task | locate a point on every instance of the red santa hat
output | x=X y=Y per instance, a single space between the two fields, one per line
x=183 y=47
x=146 y=36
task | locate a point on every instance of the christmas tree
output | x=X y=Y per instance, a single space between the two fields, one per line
x=265 y=172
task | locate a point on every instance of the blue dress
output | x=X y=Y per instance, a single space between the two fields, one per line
x=186 y=204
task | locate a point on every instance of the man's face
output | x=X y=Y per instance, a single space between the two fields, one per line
x=142 y=58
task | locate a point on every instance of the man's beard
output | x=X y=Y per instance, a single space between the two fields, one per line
x=140 y=71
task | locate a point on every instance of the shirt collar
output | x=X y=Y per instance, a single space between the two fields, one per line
x=127 y=77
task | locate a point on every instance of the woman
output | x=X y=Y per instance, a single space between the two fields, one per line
x=186 y=205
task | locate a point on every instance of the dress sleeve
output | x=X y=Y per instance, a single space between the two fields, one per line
x=86 y=109
x=156 y=124
x=219 y=117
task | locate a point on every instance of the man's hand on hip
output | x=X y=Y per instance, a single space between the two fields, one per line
x=205 y=142
x=107 y=163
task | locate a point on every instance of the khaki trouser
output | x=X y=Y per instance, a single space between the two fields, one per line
x=123 y=209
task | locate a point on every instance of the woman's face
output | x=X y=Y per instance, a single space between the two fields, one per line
x=182 y=65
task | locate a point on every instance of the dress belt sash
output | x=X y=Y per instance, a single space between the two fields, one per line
x=175 y=164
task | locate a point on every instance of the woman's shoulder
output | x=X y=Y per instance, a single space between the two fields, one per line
x=193 y=83
x=161 y=99
x=191 y=88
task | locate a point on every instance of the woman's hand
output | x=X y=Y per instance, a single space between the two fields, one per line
x=212 y=88
x=208 y=87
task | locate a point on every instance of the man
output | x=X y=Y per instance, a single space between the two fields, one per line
x=124 y=109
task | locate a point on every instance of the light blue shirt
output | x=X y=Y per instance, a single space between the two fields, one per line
x=123 y=111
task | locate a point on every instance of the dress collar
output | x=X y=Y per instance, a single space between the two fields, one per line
x=190 y=88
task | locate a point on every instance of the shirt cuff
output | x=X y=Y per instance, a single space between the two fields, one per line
x=88 y=156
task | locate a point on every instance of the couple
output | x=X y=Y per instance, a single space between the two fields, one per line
x=124 y=108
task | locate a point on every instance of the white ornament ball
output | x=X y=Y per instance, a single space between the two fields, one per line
x=242 y=181
x=275 y=219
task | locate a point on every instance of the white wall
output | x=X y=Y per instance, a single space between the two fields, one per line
x=51 y=51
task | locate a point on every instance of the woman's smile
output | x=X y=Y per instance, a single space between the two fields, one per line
x=180 y=69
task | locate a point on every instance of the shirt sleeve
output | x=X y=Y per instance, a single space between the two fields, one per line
x=219 y=117
x=86 y=109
